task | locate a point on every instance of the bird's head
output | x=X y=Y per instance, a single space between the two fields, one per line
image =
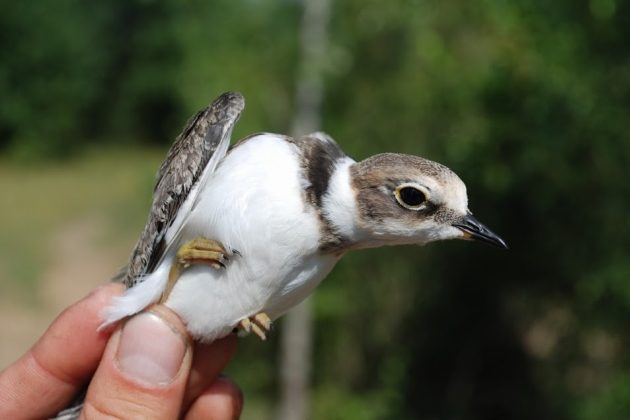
x=403 y=199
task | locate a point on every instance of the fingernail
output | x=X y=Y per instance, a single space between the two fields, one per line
x=150 y=350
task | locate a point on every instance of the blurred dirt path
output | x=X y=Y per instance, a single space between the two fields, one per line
x=80 y=259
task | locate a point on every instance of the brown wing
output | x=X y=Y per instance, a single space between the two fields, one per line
x=203 y=142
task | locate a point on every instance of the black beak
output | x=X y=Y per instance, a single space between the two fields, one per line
x=475 y=230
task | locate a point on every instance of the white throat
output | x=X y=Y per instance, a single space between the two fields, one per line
x=339 y=203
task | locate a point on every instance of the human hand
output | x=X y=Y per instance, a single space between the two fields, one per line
x=149 y=368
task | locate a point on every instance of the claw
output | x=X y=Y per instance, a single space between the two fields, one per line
x=220 y=263
x=259 y=324
x=263 y=320
x=245 y=324
x=259 y=332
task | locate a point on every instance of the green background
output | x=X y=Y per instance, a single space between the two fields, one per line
x=526 y=100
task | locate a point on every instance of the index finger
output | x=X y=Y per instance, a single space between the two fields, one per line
x=47 y=377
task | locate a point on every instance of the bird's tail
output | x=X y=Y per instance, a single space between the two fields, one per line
x=146 y=291
x=74 y=410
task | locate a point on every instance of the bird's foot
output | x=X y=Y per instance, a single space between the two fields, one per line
x=202 y=251
x=197 y=251
x=259 y=324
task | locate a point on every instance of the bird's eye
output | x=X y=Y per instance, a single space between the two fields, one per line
x=410 y=197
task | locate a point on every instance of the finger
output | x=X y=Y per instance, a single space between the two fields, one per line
x=208 y=362
x=223 y=400
x=144 y=370
x=46 y=378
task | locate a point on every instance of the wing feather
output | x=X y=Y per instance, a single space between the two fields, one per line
x=195 y=154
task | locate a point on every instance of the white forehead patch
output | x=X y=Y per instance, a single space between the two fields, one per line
x=448 y=190
x=455 y=194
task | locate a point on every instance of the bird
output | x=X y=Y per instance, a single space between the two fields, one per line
x=238 y=235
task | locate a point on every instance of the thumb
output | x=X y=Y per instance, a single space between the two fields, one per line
x=144 y=370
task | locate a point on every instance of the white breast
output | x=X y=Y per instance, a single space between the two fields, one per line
x=254 y=204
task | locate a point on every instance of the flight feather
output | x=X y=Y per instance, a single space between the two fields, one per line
x=198 y=149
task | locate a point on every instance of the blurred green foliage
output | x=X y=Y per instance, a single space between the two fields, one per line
x=526 y=101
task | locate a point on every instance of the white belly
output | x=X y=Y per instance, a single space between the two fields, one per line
x=254 y=204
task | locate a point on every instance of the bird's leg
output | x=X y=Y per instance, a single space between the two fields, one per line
x=197 y=251
x=259 y=324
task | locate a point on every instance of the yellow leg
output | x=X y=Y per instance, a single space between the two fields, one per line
x=259 y=324
x=197 y=251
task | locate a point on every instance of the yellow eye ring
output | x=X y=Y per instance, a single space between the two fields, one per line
x=411 y=196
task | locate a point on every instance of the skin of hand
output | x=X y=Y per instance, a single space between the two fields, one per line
x=146 y=368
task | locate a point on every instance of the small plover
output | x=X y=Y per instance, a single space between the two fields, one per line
x=237 y=236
